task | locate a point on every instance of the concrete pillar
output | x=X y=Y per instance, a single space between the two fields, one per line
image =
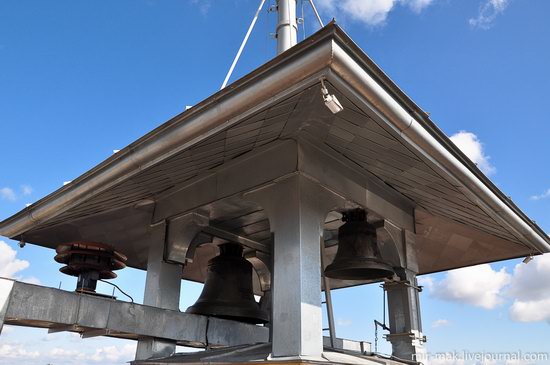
x=162 y=290
x=296 y=208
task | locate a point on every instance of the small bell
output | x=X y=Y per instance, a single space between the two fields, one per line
x=358 y=256
x=227 y=291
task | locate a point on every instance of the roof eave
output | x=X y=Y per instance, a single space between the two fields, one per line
x=185 y=129
x=355 y=71
x=328 y=48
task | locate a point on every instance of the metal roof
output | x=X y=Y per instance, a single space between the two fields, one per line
x=461 y=216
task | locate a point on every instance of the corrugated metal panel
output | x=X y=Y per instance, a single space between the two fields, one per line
x=379 y=150
x=262 y=128
x=352 y=133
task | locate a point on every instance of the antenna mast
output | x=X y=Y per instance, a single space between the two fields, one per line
x=287 y=27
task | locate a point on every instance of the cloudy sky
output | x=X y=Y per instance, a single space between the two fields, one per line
x=81 y=79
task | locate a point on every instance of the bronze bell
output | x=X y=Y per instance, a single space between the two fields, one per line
x=227 y=291
x=358 y=256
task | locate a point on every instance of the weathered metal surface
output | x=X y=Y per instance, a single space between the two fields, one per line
x=181 y=237
x=162 y=290
x=287 y=26
x=358 y=256
x=361 y=347
x=37 y=306
x=6 y=287
x=227 y=291
x=404 y=318
x=297 y=208
x=218 y=150
x=345 y=352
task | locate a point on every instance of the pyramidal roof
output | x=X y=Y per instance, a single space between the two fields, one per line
x=194 y=163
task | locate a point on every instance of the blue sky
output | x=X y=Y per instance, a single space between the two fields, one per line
x=81 y=79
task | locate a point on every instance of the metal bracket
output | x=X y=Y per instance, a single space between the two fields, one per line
x=262 y=263
x=232 y=237
x=181 y=237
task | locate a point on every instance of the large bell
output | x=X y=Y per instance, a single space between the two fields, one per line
x=358 y=256
x=227 y=291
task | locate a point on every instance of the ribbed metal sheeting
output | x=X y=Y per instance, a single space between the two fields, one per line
x=353 y=133
x=258 y=130
x=379 y=149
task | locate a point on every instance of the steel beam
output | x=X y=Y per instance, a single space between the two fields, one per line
x=37 y=306
x=6 y=288
x=181 y=237
x=280 y=159
x=296 y=207
x=162 y=290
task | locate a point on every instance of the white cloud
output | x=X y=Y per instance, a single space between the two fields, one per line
x=479 y=285
x=16 y=351
x=9 y=264
x=114 y=353
x=544 y=195
x=61 y=353
x=372 y=12
x=344 y=322
x=7 y=194
x=530 y=288
x=472 y=147
x=440 y=323
x=203 y=5
x=418 y=5
x=426 y=281
x=488 y=12
x=530 y=311
x=26 y=189
x=446 y=359
x=518 y=362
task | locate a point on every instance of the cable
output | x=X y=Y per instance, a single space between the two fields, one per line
x=116 y=286
x=316 y=13
x=242 y=45
x=303 y=20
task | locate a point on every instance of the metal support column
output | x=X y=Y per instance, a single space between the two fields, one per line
x=287 y=27
x=399 y=247
x=296 y=208
x=162 y=290
x=404 y=316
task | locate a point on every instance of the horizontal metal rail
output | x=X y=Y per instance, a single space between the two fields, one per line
x=30 y=305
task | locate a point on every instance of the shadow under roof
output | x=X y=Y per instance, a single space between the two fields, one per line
x=461 y=217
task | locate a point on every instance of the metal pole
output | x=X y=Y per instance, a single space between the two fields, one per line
x=287 y=27
x=316 y=13
x=328 y=296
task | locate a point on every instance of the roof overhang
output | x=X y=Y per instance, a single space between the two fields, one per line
x=130 y=185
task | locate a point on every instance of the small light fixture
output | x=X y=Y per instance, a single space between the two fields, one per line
x=330 y=100
x=528 y=259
